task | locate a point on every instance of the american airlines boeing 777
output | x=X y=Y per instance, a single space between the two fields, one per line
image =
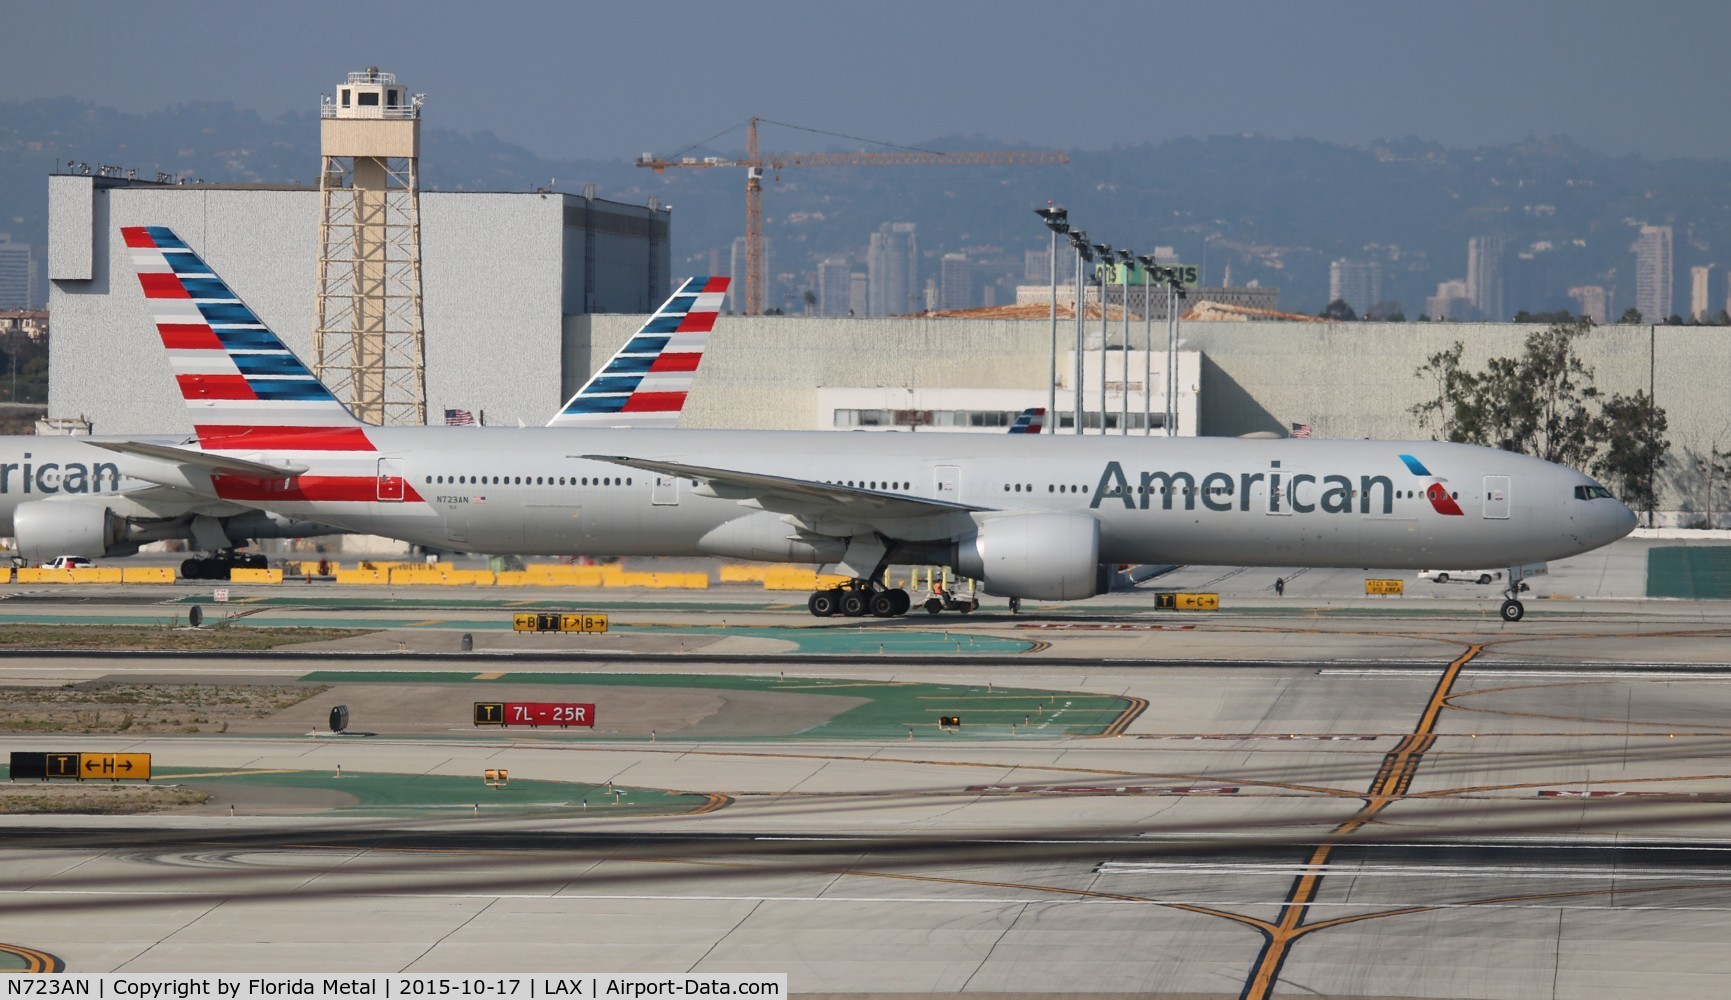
x=1029 y=516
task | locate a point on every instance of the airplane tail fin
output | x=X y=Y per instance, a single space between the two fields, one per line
x=1031 y=421
x=645 y=384
x=245 y=389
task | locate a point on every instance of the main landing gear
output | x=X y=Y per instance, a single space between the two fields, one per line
x=858 y=599
x=218 y=566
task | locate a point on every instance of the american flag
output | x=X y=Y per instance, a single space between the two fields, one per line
x=459 y=418
x=1298 y=430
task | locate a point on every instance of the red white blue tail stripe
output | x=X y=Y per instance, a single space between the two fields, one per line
x=248 y=393
x=646 y=383
x=245 y=389
x=1030 y=421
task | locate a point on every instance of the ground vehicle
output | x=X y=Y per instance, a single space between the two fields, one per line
x=1460 y=575
x=68 y=562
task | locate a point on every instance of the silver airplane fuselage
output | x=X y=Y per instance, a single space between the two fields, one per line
x=1228 y=501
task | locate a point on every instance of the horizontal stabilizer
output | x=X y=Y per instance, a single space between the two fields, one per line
x=201 y=459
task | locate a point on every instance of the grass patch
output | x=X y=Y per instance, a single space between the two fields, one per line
x=216 y=636
x=122 y=707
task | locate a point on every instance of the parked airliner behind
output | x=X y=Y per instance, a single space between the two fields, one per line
x=1029 y=516
x=65 y=496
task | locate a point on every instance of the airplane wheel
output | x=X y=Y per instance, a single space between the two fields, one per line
x=823 y=604
x=855 y=603
x=1512 y=611
x=1484 y=578
x=933 y=605
x=217 y=569
x=903 y=601
x=192 y=569
x=883 y=604
x=256 y=561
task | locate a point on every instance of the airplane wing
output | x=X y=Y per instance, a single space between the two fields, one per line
x=201 y=459
x=828 y=498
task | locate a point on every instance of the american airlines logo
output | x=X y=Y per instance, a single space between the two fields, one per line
x=58 y=477
x=1287 y=491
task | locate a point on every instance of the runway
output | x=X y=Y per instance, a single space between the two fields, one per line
x=1355 y=804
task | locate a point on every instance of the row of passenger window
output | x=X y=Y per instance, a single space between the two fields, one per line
x=527 y=480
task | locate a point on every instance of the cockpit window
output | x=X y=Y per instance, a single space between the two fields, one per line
x=1592 y=493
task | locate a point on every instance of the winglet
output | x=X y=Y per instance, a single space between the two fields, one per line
x=646 y=382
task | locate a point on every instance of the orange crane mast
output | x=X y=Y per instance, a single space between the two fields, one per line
x=755 y=161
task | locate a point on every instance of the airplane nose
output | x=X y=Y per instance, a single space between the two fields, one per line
x=1624 y=521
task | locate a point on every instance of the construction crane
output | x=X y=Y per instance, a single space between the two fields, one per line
x=755 y=161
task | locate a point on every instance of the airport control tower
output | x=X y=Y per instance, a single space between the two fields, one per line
x=367 y=340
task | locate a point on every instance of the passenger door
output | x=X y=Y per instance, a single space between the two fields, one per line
x=948 y=482
x=390 y=480
x=1497 y=497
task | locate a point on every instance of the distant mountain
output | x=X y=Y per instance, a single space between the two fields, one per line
x=1276 y=211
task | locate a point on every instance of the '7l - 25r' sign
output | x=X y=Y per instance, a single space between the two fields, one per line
x=533 y=713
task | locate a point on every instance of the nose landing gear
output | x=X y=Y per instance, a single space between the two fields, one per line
x=1512 y=609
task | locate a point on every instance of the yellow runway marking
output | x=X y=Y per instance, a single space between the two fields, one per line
x=34 y=961
x=491 y=676
x=1391 y=782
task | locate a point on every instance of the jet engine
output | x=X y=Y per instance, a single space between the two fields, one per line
x=45 y=529
x=1053 y=557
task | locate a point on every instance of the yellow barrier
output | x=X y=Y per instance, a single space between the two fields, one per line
x=239 y=575
x=800 y=578
x=147 y=574
x=7 y=578
x=361 y=577
x=95 y=574
x=92 y=575
x=437 y=576
x=659 y=581
x=735 y=573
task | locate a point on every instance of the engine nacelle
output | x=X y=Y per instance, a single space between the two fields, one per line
x=1051 y=557
x=45 y=529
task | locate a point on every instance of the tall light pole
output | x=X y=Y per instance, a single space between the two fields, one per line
x=1126 y=259
x=1174 y=293
x=1057 y=221
x=1084 y=254
x=1105 y=252
x=1147 y=345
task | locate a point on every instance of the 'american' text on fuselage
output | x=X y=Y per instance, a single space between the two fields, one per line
x=1217 y=491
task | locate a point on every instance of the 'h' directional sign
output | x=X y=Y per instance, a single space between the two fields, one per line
x=114 y=766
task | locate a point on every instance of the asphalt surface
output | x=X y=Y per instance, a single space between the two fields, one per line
x=1326 y=796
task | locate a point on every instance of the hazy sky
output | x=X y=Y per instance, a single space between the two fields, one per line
x=607 y=81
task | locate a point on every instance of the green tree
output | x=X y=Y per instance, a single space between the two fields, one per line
x=1631 y=316
x=1543 y=403
x=1633 y=448
x=1338 y=310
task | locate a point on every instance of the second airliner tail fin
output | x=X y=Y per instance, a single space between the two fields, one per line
x=645 y=384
